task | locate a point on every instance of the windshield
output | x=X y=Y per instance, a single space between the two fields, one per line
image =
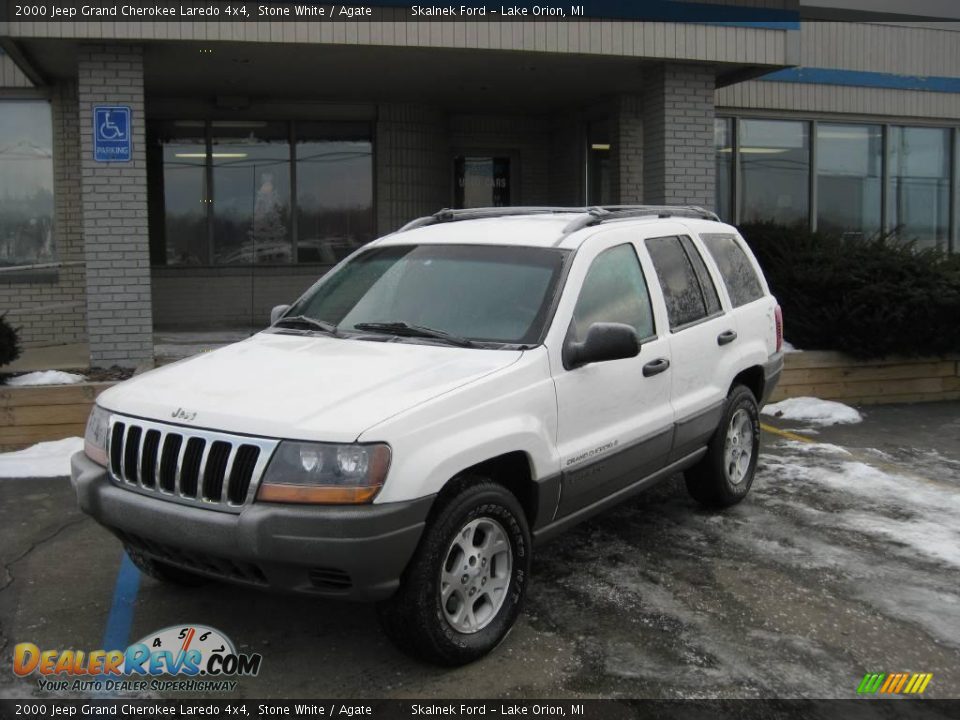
x=484 y=293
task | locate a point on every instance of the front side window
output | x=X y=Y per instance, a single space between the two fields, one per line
x=26 y=184
x=678 y=280
x=614 y=291
x=484 y=293
x=735 y=267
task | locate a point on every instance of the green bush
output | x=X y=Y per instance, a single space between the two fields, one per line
x=9 y=342
x=867 y=297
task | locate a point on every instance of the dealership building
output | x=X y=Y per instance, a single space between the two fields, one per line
x=173 y=175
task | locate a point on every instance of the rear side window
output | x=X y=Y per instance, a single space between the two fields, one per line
x=686 y=300
x=735 y=268
x=710 y=297
x=614 y=290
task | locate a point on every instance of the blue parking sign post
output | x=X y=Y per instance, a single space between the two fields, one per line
x=112 y=133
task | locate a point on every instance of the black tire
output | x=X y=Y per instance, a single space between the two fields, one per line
x=415 y=618
x=709 y=481
x=162 y=571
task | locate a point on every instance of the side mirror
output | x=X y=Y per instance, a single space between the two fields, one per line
x=604 y=341
x=278 y=312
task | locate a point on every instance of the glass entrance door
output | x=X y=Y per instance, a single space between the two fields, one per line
x=481 y=181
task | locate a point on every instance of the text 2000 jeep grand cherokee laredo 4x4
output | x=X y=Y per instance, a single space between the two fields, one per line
x=445 y=396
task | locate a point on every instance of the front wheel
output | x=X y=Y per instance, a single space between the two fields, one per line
x=724 y=476
x=463 y=590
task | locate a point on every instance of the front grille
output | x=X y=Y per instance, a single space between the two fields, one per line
x=186 y=465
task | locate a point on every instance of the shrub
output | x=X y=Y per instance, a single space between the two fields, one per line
x=9 y=342
x=867 y=297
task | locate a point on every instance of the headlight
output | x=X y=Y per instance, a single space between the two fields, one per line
x=95 y=438
x=303 y=472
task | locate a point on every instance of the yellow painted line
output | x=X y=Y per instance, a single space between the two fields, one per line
x=926 y=681
x=786 y=434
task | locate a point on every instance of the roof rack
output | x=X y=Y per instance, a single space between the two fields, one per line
x=593 y=215
x=449 y=215
x=597 y=215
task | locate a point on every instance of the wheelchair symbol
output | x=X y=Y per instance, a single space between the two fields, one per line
x=108 y=130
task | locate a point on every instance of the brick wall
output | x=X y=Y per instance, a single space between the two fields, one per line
x=412 y=164
x=628 y=150
x=114 y=201
x=678 y=115
x=51 y=309
x=566 y=172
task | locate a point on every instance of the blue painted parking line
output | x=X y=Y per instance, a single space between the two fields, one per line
x=116 y=636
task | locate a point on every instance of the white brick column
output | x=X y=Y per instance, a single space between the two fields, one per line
x=114 y=202
x=678 y=111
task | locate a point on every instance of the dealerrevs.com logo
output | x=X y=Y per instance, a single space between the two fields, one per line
x=200 y=658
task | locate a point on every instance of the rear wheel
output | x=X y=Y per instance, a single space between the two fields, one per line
x=162 y=571
x=463 y=590
x=724 y=476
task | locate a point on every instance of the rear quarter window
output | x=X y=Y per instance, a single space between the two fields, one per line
x=735 y=267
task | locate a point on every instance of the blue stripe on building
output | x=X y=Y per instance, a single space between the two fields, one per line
x=861 y=78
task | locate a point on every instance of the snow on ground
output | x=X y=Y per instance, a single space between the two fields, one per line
x=46 y=459
x=46 y=377
x=814 y=410
x=920 y=514
x=789 y=348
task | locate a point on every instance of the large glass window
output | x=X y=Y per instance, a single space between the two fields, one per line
x=919 y=202
x=244 y=192
x=774 y=171
x=849 y=178
x=723 y=148
x=184 y=199
x=251 y=193
x=26 y=184
x=334 y=191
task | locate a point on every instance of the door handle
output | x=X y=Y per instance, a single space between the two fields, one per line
x=655 y=367
x=726 y=337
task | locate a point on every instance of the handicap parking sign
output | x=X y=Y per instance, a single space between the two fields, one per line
x=111 y=133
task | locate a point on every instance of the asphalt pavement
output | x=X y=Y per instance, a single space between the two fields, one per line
x=843 y=560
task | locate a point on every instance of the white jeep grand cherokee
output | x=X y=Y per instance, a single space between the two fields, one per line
x=445 y=397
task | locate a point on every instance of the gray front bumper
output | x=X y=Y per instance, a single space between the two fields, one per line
x=356 y=552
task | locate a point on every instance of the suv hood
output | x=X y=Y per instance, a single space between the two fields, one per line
x=301 y=387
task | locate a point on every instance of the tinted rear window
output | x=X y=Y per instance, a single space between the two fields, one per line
x=735 y=267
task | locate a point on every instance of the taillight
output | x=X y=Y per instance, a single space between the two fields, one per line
x=778 y=316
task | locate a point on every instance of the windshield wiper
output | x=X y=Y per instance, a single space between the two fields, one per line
x=321 y=325
x=404 y=330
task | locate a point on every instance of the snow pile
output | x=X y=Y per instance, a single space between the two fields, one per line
x=46 y=377
x=789 y=348
x=46 y=459
x=814 y=410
